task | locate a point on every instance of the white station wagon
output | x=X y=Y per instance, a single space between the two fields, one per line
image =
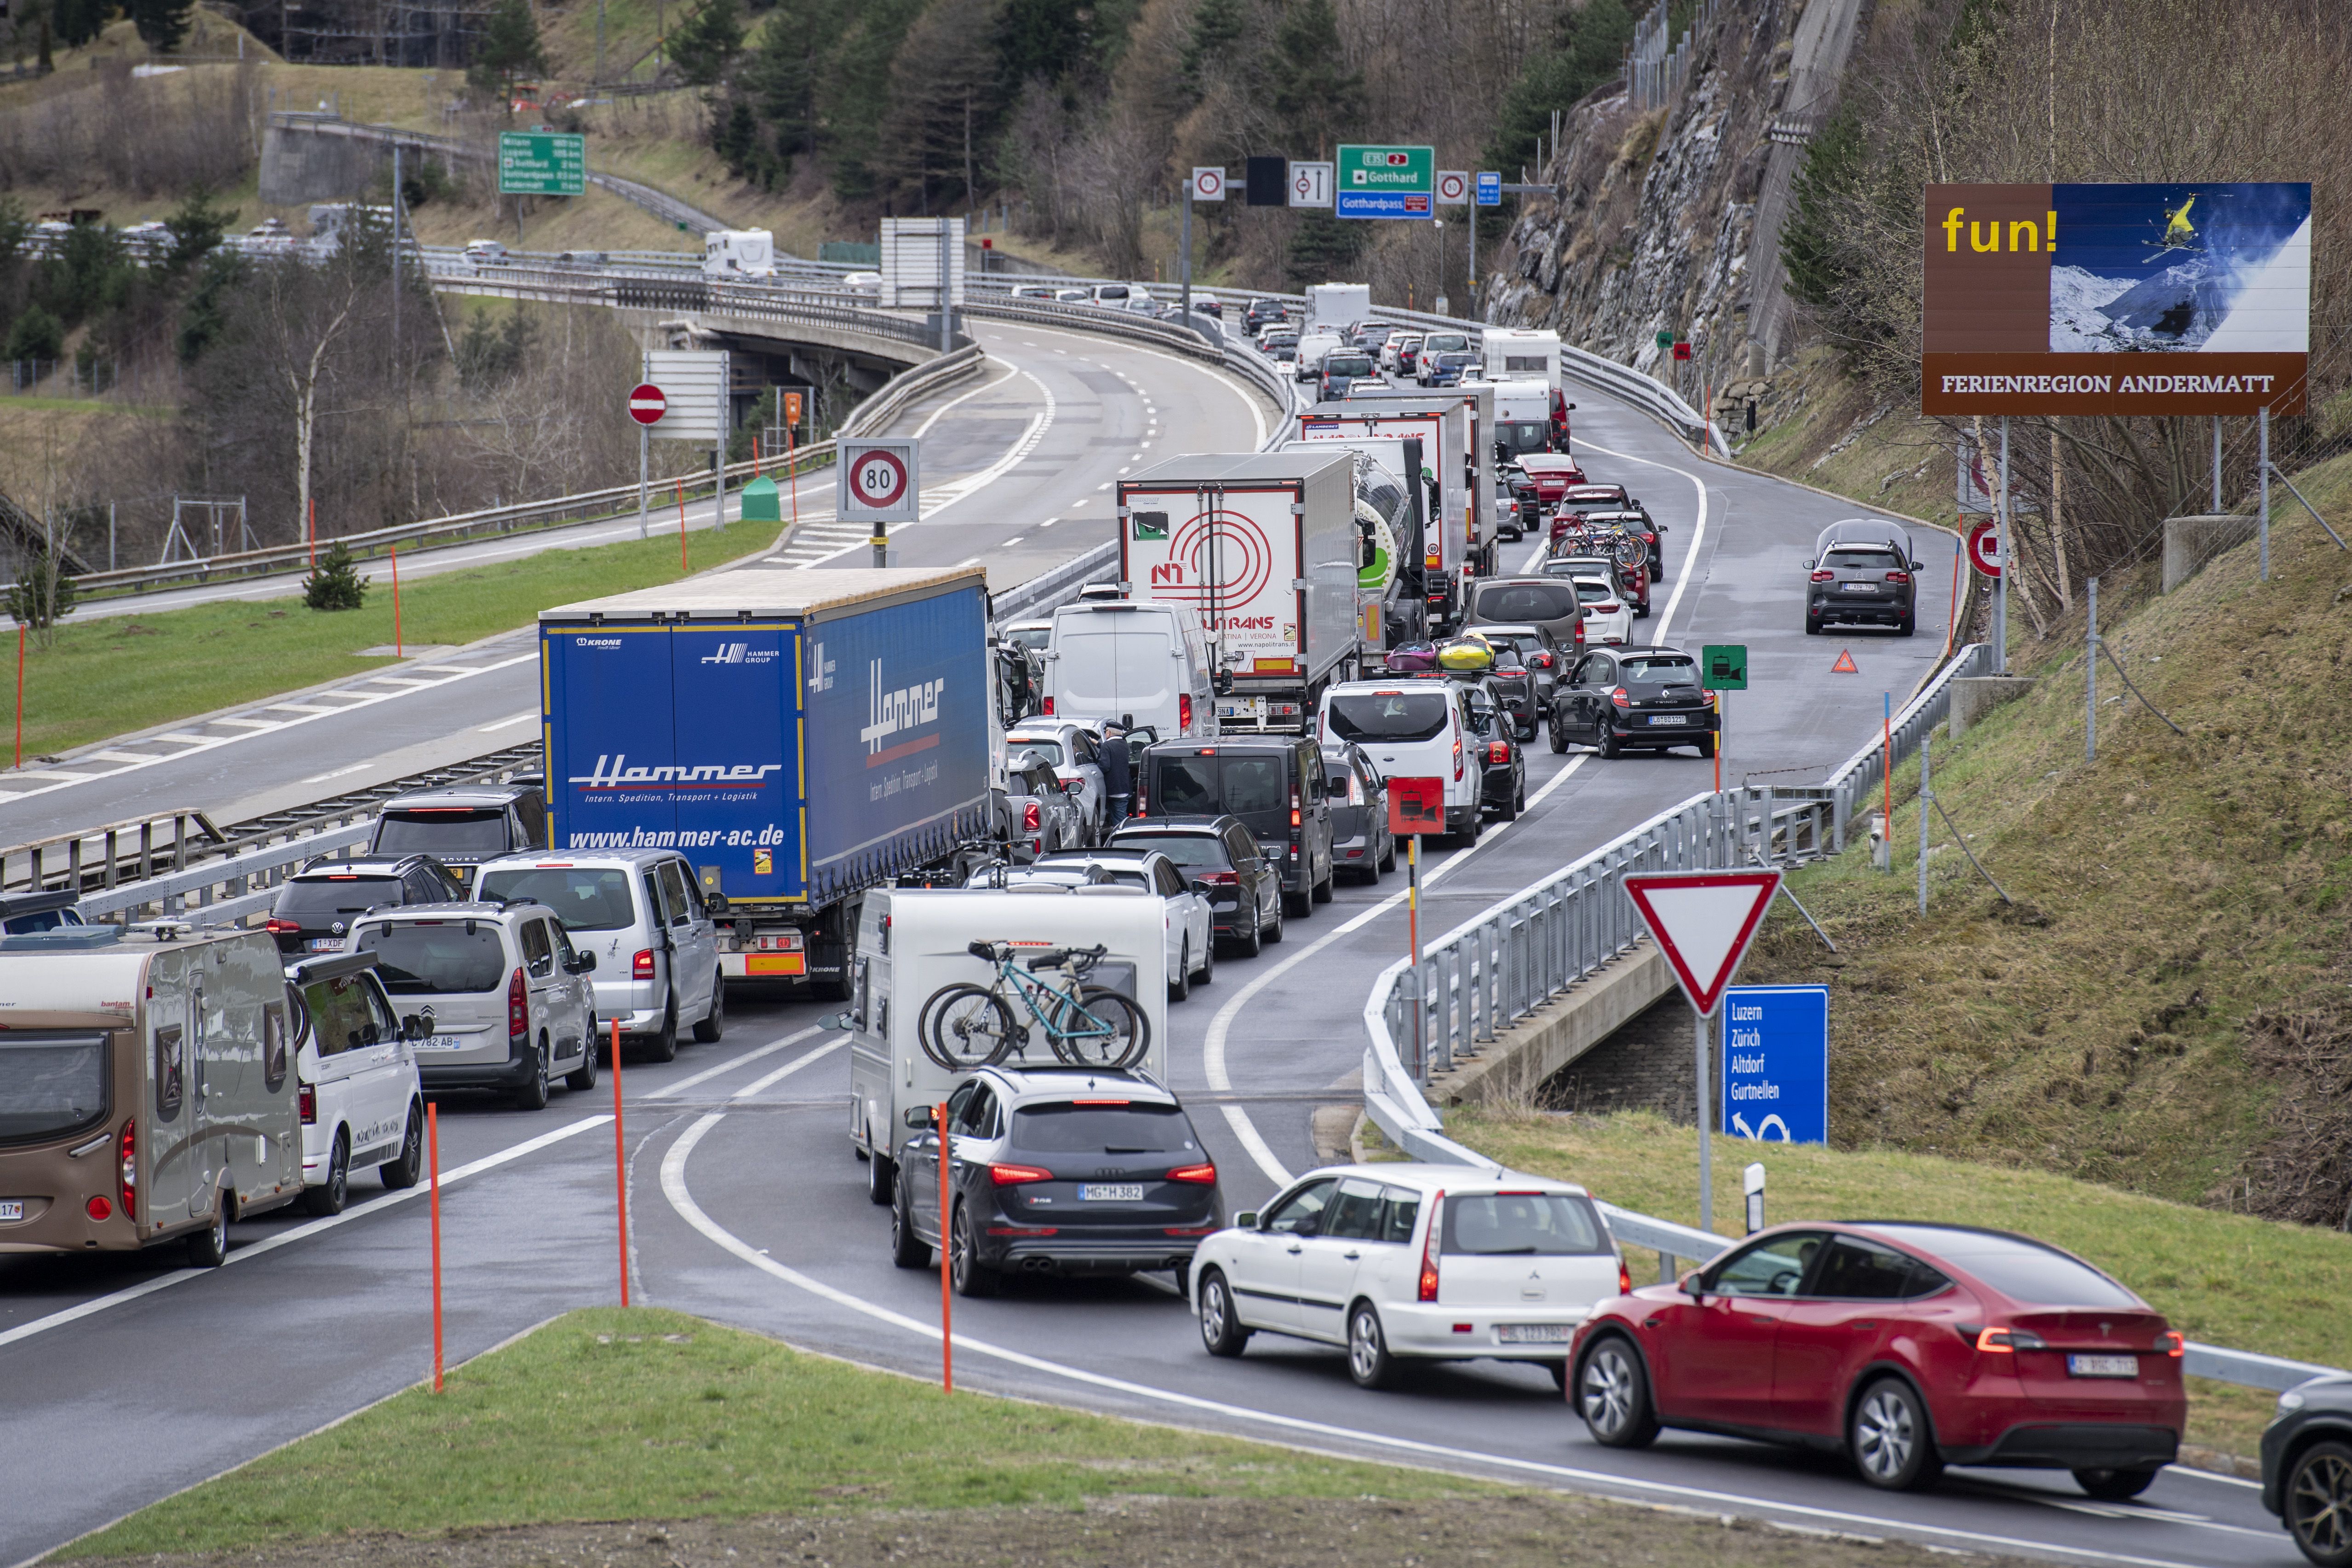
x=1437 y=1262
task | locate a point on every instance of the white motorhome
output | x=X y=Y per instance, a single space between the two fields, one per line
x=1514 y=353
x=739 y=253
x=1335 y=306
x=913 y=943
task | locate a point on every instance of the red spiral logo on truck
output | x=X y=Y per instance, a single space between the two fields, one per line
x=1242 y=566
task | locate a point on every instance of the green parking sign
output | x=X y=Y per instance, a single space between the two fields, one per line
x=1384 y=181
x=542 y=163
x=1723 y=667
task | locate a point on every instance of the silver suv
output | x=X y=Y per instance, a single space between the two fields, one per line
x=641 y=911
x=504 y=996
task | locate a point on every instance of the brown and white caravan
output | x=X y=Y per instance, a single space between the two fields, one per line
x=147 y=1088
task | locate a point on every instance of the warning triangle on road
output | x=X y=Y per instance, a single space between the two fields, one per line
x=1844 y=666
x=1703 y=921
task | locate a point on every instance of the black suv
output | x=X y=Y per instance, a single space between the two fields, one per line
x=1623 y=698
x=1260 y=312
x=1273 y=785
x=1244 y=888
x=317 y=905
x=1055 y=1171
x=461 y=826
x=2307 y=1469
x=1503 y=788
x=1864 y=573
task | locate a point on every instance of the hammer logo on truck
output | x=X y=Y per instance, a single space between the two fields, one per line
x=738 y=653
x=684 y=775
x=889 y=712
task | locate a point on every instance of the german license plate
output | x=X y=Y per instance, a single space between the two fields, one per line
x=1669 y=718
x=12 y=1208
x=325 y=944
x=442 y=1043
x=2103 y=1365
x=1534 y=1333
x=1111 y=1192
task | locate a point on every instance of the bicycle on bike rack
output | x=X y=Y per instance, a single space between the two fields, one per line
x=964 y=1026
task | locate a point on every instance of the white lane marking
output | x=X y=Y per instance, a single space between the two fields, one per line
x=2216 y=1476
x=299 y=1233
x=707 y=1073
x=1231 y=383
x=925 y=427
x=1699 y=532
x=1212 y=1064
x=527 y=714
x=54 y=781
x=674 y=1188
x=339 y=773
x=750 y=1090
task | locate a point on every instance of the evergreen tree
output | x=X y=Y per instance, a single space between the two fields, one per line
x=162 y=23
x=707 y=43
x=1316 y=100
x=42 y=591
x=509 y=47
x=36 y=335
x=204 y=314
x=196 y=229
x=335 y=583
x=79 y=21
x=1218 y=27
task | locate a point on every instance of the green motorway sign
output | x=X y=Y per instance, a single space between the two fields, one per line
x=1384 y=181
x=542 y=163
x=1723 y=667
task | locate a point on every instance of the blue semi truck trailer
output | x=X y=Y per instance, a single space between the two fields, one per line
x=801 y=736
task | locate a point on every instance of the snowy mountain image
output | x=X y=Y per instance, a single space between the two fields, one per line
x=2177 y=309
x=2180 y=269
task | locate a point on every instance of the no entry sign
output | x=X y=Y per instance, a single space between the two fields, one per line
x=648 y=404
x=880 y=481
x=1984 y=548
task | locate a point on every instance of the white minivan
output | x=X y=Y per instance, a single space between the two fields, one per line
x=1414 y=727
x=1437 y=1262
x=362 y=1103
x=1140 y=663
x=641 y=913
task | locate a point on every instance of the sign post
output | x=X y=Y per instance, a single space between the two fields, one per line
x=1206 y=185
x=1381 y=181
x=1776 y=1063
x=1722 y=666
x=646 y=405
x=1702 y=923
x=881 y=483
x=682 y=396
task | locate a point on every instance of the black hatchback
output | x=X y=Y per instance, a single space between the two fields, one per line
x=317 y=906
x=1056 y=1172
x=1624 y=699
x=1244 y=888
x=1273 y=785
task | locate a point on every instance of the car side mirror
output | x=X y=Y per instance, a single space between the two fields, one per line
x=1246 y=1220
x=833 y=1021
x=1809 y=563
x=1200 y=887
x=413 y=1027
x=917 y=1117
x=581 y=962
x=1918 y=567
x=1692 y=1285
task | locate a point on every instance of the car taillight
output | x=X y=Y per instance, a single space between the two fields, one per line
x=98 y=1208
x=518 y=1006
x=1624 y=1278
x=1221 y=878
x=1608 y=608
x=1457 y=761
x=1033 y=819
x=641 y=964
x=1048 y=708
x=1898 y=576
x=1013 y=1175
x=1074 y=785
x=1498 y=752
x=1824 y=576
x=1542 y=661
x=2172 y=1344
x=1618 y=699
x=1200 y=1174
x=277 y=927
x=1184 y=710
x=1429 y=1249
x=2007 y=1340
x=309 y=1105
x=129 y=1149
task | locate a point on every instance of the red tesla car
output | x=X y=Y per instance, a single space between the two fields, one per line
x=1906 y=1346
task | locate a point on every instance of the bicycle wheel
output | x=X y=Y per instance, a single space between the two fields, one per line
x=967 y=1028
x=1631 y=552
x=1100 y=1030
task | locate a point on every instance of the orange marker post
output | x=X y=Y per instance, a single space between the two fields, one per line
x=396 y=603
x=620 y=1163
x=432 y=1145
x=681 y=527
x=1952 y=616
x=314 y=533
x=947 y=1309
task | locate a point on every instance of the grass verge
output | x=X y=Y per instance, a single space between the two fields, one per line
x=2222 y=1279
x=127 y=673
x=607 y=1413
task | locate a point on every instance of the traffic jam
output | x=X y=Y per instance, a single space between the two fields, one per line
x=997 y=855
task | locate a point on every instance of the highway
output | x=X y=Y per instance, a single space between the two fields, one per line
x=127 y=1378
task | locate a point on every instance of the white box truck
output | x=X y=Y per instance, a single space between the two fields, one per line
x=1263 y=544
x=1470 y=466
x=739 y=253
x=913 y=943
x=1335 y=306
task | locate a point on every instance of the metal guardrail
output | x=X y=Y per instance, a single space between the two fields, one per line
x=1862 y=771
x=1093 y=319
x=105 y=856
x=1055 y=586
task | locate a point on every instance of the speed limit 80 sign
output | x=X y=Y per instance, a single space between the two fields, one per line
x=881 y=480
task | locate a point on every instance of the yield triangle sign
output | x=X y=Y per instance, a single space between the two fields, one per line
x=1704 y=921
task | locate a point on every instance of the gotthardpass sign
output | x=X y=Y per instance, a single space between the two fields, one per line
x=1386 y=182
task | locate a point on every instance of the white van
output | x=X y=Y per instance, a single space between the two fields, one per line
x=1414 y=727
x=1144 y=663
x=912 y=944
x=1313 y=344
x=362 y=1102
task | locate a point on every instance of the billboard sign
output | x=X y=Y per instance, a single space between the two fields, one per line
x=1386 y=182
x=2117 y=299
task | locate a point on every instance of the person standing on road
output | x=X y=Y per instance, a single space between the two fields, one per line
x=1118 y=779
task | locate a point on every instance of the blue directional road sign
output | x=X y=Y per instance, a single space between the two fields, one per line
x=1490 y=188
x=1776 y=1063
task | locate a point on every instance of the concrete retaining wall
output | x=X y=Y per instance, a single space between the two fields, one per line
x=1517 y=1062
x=2191 y=542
